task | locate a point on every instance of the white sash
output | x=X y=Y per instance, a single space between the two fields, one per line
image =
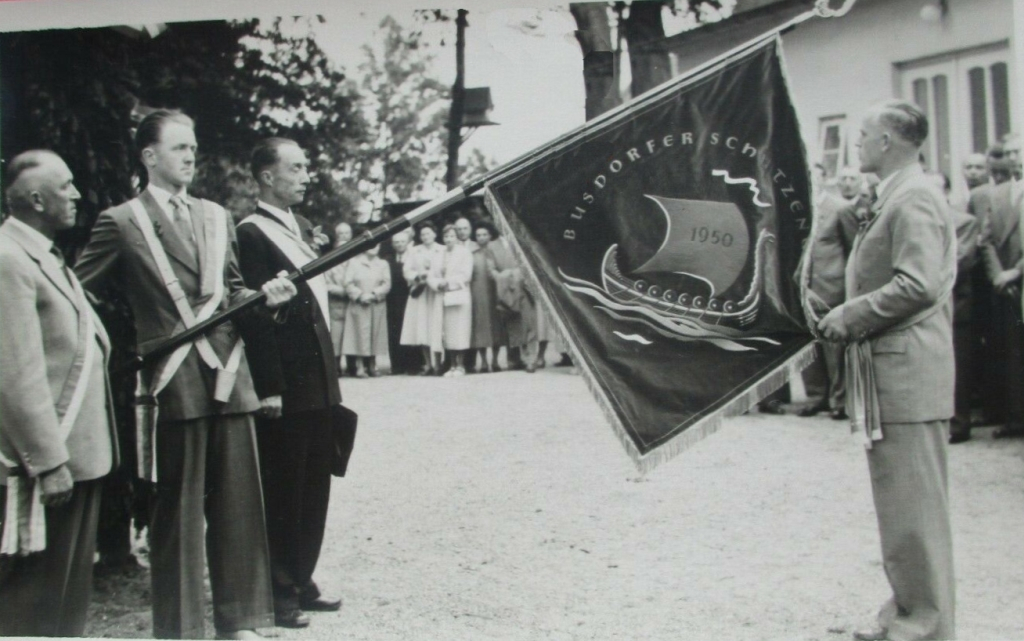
x=25 y=518
x=146 y=406
x=298 y=254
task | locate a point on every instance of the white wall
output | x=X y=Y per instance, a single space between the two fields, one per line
x=843 y=65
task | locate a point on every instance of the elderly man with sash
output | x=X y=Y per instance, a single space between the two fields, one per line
x=296 y=378
x=173 y=258
x=897 y=322
x=57 y=438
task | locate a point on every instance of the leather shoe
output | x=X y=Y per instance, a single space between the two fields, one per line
x=239 y=634
x=321 y=604
x=838 y=415
x=871 y=634
x=959 y=437
x=295 y=618
x=773 y=406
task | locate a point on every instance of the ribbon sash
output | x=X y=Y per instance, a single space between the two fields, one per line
x=24 y=529
x=298 y=254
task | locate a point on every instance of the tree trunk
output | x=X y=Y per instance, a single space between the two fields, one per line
x=645 y=37
x=599 y=74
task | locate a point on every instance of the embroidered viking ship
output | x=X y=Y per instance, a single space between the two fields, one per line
x=707 y=241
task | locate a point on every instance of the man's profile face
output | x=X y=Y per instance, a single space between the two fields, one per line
x=173 y=157
x=872 y=144
x=289 y=177
x=1011 y=152
x=58 y=193
x=850 y=180
x=975 y=170
x=463 y=230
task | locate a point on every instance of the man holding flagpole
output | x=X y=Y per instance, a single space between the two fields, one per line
x=897 y=322
x=296 y=378
x=173 y=257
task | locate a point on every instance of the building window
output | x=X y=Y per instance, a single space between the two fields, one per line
x=832 y=144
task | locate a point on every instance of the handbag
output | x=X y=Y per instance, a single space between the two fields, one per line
x=456 y=297
x=343 y=438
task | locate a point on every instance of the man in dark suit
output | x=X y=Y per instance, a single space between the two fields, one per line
x=173 y=258
x=57 y=437
x=404 y=358
x=1001 y=256
x=296 y=378
x=897 y=321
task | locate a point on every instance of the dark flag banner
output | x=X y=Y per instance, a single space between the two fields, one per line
x=666 y=238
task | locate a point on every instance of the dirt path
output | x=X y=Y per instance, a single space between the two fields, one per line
x=502 y=507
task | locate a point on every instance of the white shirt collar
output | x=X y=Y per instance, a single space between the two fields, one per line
x=286 y=217
x=163 y=197
x=34 y=236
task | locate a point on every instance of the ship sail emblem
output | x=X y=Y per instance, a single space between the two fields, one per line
x=706 y=241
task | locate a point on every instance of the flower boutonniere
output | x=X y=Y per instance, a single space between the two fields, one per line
x=158 y=229
x=319 y=239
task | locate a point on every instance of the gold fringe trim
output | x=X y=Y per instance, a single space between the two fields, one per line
x=644 y=463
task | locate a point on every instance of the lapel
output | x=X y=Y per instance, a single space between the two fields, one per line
x=168 y=236
x=1006 y=217
x=47 y=263
x=202 y=219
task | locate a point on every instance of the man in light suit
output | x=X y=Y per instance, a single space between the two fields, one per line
x=898 y=322
x=173 y=257
x=57 y=438
x=296 y=378
x=1001 y=256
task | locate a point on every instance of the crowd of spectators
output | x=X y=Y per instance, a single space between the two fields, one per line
x=437 y=305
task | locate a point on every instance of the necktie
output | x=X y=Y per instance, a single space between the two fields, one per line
x=183 y=221
x=58 y=256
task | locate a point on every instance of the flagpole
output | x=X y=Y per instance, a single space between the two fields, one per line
x=384 y=231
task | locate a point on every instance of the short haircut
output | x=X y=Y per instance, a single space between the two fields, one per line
x=489 y=226
x=426 y=225
x=447 y=228
x=265 y=154
x=905 y=119
x=152 y=125
x=995 y=152
x=25 y=161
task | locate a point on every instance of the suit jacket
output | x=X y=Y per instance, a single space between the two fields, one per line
x=1000 y=244
x=903 y=263
x=835 y=229
x=967 y=233
x=39 y=341
x=979 y=201
x=118 y=258
x=295 y=358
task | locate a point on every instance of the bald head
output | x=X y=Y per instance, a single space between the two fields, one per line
x=41 y=191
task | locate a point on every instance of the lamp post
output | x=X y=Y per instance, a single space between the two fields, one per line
x=458 y=102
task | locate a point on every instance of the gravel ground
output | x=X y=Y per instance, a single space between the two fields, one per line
x=502 y=507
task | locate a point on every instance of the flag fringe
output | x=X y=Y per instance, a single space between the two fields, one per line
x=688 y=437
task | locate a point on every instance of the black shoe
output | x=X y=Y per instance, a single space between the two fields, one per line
x=959 y=437
x=812 y=410
x=564 y=362
x=838 y=415
x=771 y=407
x=321 y=604
x=294 y=618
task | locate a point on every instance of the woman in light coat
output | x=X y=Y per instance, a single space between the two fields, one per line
x=367 y=283
x=337 y=297
x=424 y=314
x=457 y=273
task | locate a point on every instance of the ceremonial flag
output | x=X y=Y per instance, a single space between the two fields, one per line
x=665 y=237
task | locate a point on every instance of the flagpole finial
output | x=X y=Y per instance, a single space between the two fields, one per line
x=823 y=8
